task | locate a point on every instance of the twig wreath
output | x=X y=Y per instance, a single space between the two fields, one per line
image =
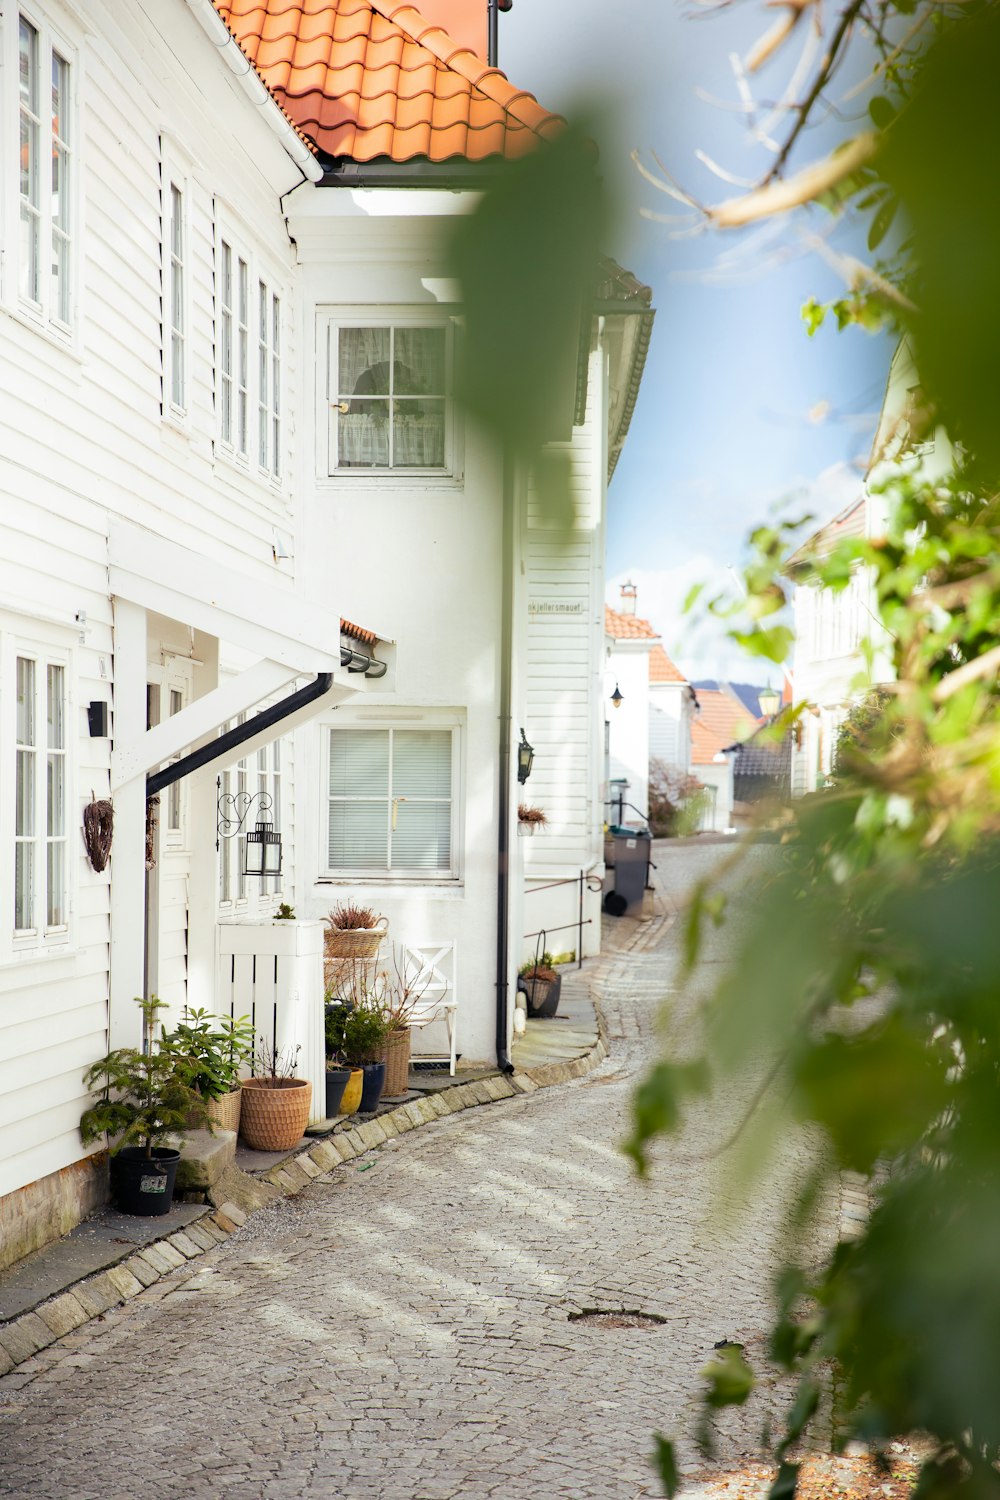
x=98 y=830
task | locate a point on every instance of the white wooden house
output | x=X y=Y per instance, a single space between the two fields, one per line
x=205 y=318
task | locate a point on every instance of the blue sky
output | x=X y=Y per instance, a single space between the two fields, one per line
x=739 y=408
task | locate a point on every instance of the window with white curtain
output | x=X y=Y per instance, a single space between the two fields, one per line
x=43 y=250
x=391 y=801
x=40 y=895
x=389 y=397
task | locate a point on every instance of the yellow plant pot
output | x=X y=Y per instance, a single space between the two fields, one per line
x=352 y=1094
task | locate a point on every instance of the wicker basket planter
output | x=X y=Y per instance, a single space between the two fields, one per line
x=396 y=1055
x=355 y=942
x=275 y=1112
x=225 y=1112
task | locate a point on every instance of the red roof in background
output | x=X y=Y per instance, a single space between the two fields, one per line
x=662 y=669
x=721 y=722
x=627 y=627
x=851 y=521
x=373 y=78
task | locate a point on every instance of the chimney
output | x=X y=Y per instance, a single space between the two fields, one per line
x=628 y=593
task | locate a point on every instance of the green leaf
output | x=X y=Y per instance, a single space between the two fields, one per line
x=785 y=1483
x=656 y=1104
x=882 y=223
x=882 y=112
x=665 y=1463
x=813 y=314
x=730 y=1378
x=803 y=1409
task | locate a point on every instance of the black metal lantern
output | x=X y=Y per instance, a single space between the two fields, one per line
x=525 y=756
x=262 y=851
x=617 y=697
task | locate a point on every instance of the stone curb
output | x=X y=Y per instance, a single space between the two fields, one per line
x=23 y=1337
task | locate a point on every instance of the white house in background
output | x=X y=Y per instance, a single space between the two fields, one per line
x=832 y=671
x=673 y=706
x=152 y=597
x=630 y=643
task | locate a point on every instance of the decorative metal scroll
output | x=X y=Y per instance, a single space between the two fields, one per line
x=234 y=810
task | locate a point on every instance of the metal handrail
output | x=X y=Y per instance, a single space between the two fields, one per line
x=585 y=881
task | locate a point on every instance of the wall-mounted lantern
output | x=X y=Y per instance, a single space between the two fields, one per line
x=617 y=697
x=262 y=852
x=525 y=756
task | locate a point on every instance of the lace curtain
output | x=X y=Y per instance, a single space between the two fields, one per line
x=392 y=383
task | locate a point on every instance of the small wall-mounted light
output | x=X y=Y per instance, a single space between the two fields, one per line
x=617 y=697
x=262 y=851
x=525 y=756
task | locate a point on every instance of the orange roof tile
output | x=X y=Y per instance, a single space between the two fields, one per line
x=721 y=721
x=662 y=669
x=372 y=78
x=627 y=627
x=357 y=632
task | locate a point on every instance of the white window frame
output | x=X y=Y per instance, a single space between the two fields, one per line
x=175 y=374
x=45 y=647
x=252 y=380
x=400 y=719
x=330 y=322
x=265 y=770
x=41 y=311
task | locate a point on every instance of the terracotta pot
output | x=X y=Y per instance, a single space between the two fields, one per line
x=396 y=1056
x=275 y=1112
x=351 y=1097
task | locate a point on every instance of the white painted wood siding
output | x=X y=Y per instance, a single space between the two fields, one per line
x=82 y=439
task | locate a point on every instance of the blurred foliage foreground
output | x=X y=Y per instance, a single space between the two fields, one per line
x=870 y=979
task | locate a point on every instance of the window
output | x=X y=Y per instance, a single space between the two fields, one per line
x=176 y=700
x=388 y=396
x=174 y=304
x=391 y=801
x=248 y=360
x=45 y=174
x=40 y=798
x=258 y=774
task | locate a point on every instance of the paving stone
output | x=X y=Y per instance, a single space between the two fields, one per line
x=63 y=1314
x=162 y=1257
x=24 y=1337
x=324 y=1155
x=6 y=1363
x=371 y=1134
x=97 y=1294
x=185 y=1245
x=480 y=1092
x=142 y=1269
x=127 y=1284
x=200 y=1235
x=306 y=1164
x=389 y=1126
x=234 y=1214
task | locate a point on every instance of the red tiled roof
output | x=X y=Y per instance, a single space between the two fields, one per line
x=721 y=722
x=372 y=78
x=358 y=632
x=662 y=669
x=851 y=521
x=627 y=627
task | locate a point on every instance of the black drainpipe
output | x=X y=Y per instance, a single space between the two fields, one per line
x=503 y=799
x=492 y=47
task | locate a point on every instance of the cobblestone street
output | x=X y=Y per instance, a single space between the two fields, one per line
x=402 y=1329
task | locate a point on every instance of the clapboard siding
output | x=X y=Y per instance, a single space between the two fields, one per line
x=83 y=440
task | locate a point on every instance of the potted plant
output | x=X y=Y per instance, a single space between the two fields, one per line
x=145 y=1100
x=364 y=1038
x=354 y=931
x=541 y=985
x=275 y=1107
x=529 y=819
x=209 y=1060
x=398 y=993
x=343 y=1083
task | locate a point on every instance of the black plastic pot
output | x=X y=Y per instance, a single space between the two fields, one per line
x=140 y=1185
x=336 y=1083
x=371 y=1091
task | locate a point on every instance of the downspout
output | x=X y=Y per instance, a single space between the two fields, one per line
x=503 y=792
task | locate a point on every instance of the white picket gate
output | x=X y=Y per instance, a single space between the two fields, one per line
x=273 y=972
